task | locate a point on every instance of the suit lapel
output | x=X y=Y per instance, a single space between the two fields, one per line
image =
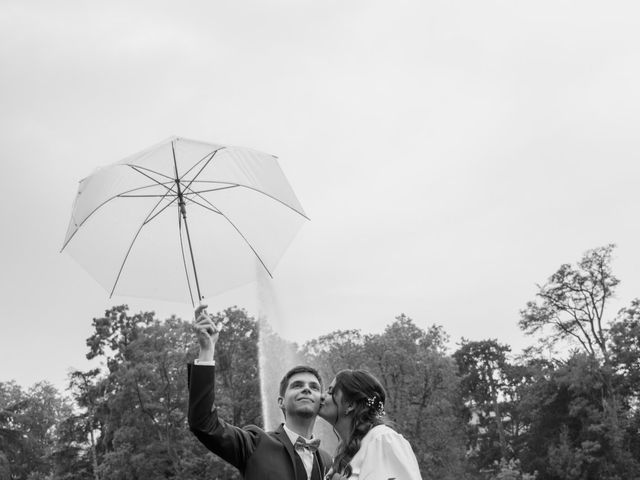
x=322 y=465
x=283 y=438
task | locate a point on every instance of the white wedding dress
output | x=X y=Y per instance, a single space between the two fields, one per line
x=384 y=454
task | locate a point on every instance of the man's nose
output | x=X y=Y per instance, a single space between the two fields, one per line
x=306 y=388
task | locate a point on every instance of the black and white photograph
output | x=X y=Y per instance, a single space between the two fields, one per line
x=320 y=240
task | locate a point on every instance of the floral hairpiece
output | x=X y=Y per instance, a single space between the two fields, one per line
x=375 y=404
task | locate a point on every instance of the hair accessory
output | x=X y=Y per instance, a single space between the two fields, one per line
x=375 y=404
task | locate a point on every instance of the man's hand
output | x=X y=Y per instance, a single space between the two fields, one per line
x=207 y=332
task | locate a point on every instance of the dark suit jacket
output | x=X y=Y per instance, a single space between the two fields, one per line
x=259 y=455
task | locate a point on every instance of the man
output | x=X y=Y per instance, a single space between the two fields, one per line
x=284 y=454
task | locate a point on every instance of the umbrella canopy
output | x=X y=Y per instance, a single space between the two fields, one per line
x=182 y=220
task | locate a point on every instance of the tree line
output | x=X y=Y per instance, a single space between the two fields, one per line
x=478 y=412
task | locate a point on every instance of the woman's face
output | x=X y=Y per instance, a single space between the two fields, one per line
x=332 y=404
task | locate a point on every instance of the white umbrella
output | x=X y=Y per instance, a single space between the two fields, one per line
x=129 y=227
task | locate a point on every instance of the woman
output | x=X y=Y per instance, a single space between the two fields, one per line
x=369 y=449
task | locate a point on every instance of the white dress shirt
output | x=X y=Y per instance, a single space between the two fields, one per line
x=211 y=363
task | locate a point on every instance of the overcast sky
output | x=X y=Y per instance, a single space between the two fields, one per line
x=450 y=154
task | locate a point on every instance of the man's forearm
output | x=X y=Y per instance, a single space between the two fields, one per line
x=201 y=398
x=206 y=354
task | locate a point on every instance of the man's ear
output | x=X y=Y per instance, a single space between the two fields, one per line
x=281 y=403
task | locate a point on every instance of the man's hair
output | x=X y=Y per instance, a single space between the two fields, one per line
x=295 y=370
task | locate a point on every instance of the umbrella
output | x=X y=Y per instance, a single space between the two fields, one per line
x=140 y=226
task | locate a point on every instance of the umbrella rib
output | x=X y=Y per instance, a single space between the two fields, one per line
x=194 y=192
x=138 y=169
x=148 y=220
x=217 y=210
x=211 y=208
x=210 y=155
x=255 y=190
x=135 y=237
x=194 y=179
x=123 y=194
x=143 y=196
x=230 y=185
x=166 y=194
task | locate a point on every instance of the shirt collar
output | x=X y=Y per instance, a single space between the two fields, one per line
x=293 y=436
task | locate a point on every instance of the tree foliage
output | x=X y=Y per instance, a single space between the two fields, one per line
x=584 y=425
x=29 y=424
x=484 y=372
x=131 y=421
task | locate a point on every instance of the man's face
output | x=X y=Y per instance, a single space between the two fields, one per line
x=302 y=396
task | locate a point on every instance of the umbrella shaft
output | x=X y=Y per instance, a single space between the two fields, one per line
x=183 y=212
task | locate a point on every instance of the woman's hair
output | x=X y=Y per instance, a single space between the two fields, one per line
x=368 y=396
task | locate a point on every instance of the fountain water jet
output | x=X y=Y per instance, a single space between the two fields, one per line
x=276 y=356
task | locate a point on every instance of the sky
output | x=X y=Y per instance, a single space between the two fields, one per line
x=450 y=154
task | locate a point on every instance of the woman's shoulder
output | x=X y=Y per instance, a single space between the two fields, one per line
x=387 y=451
x=382 y=432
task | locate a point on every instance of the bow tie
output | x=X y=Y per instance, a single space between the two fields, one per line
x=311 y=445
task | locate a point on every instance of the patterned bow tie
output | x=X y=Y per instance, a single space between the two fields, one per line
x=311 y=445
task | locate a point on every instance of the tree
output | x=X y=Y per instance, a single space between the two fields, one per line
x=483 y=366
x=76 y=455
x=237 y=369
x=28 y=428
x=572 y=303
x=587 y=389
x=339 y=350
x=511 y=470
x=625 y=351
x=132 y=419
x=571 y=433
x=625 y=360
